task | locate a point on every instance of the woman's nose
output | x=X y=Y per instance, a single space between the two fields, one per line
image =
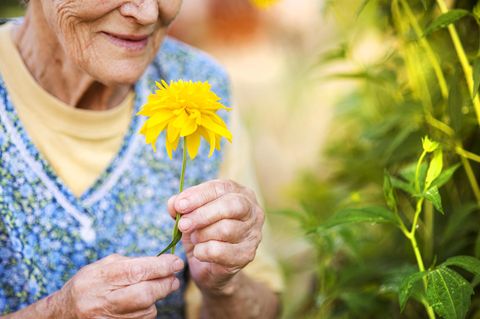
x=143 y=11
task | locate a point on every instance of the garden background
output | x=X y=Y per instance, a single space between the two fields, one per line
x=337 y=96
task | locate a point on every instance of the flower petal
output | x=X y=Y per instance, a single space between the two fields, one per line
x=172 y=133
x=221 y=130
x=193 y=144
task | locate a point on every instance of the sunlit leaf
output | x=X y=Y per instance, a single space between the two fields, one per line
x=389 y=192
x=448 y=293
x=445 y=176
x=433 y=196
x=337 y=53
x=476 y=76
x=446 y=19
x=476 y=11
x=435 y=167
x=469 y=263
x=407 y=286
x=373 y=214
x=362 y=7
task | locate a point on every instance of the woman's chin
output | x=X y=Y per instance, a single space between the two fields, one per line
x=122 y=74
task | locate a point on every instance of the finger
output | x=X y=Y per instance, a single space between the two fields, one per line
x=170 y=206
x=143 y=295
x=134 y=270
x=112 y=258
x=229 y=206
x=225 y=254
x=226 y=230
x=202 y=194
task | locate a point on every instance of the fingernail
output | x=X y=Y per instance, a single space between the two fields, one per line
x=177 y=265
x=182 y=204
x=175 y=284
x=184 y=224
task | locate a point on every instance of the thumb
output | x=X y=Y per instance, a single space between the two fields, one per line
x=187 y=245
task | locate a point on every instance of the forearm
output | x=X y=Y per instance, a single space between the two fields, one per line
x=47 y=308
x=246 y=299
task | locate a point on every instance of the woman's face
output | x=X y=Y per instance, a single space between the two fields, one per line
x=112 y=40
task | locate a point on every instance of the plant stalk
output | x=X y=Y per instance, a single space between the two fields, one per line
x=176 y=234
x=416 y=251
x=428 y=49
x=180 y=189
x=462 y=57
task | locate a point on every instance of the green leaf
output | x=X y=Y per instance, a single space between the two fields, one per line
x=446 y=19
x=448 y=293
x=469 y=263
x=334 y=54
x=433 y=196
x=424 y=4
x=389 y=192
x=435 y=167
x=362 y=7
x=401 y=184
x=406 y=287
x=372 y=214
x=476 y=11
x=477 y=246
x=176 y=238
x=476 y=75
x=445 y=176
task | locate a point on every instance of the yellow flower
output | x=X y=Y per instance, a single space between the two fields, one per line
x=184 y=109
x=263 y=4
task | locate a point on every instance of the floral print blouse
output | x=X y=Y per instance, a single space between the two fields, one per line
x=47 y=234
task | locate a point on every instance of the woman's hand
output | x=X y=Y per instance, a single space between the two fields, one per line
x=221 y=224
x=120 y=287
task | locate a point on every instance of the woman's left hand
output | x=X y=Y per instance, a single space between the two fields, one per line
x=222 y=227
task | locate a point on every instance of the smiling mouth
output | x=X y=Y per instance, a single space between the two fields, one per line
x=130 y=42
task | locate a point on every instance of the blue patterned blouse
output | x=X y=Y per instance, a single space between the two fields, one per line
x=47 y=234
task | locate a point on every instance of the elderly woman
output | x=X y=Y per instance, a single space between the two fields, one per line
x=84 y=202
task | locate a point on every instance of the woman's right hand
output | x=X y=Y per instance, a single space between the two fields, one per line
x=120 y=287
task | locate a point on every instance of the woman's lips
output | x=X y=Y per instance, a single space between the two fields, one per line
x=130 y=42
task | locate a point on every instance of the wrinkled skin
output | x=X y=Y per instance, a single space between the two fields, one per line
x=80 y=27
x=68 y=48
x=221 y=224
x=121 y=287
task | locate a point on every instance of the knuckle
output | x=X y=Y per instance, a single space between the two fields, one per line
x=145 y=300
x=222 y=187
x=238 y=203
x=211 y=251
x=165 y=287
x=151 y=312
x=136 y=273
x=251 y=255
x=260 y=216
x=225 y=231
x=249 y=193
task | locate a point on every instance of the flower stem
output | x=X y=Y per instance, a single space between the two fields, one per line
x=180 y=189
x=176 y=234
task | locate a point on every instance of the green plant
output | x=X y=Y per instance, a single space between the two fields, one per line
x=426 y=84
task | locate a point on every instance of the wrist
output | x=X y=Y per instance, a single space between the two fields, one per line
x=226 y=289
x=56 y=306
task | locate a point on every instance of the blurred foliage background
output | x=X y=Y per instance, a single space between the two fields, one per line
x=333 y=93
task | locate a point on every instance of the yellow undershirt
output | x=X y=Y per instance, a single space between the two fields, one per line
x=80 y=144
